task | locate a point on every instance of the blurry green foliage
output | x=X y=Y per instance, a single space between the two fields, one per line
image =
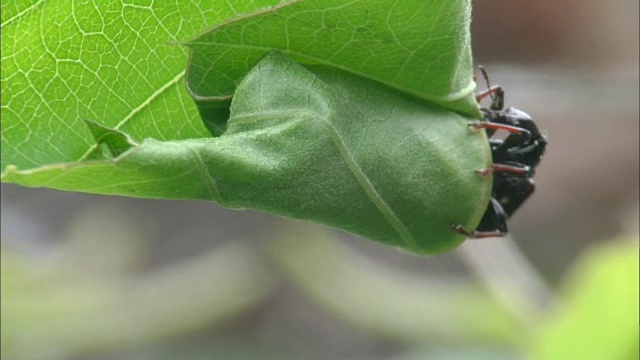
x=598 y=317
x=88 y=293
x=68 y=312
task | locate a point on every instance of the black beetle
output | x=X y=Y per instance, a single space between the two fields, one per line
x=514 y=161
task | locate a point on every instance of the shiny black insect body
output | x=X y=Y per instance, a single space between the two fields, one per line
x=514 y=161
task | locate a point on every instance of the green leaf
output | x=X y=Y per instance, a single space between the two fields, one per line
x=417 y=47
x=116 y=141
x=323 y=146
x=107 y=61
x=50 y=311
x=599 y=319
x=364 y=139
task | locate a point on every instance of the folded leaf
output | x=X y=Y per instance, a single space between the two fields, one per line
x=417 y=47
x=320 y=145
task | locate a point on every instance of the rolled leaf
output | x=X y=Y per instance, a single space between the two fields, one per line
x=314 y=144
x=372 y=138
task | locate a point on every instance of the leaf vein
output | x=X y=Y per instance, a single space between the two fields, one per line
x=22 y=13
x=367 y=186
x=208 y=179
x=139 y=108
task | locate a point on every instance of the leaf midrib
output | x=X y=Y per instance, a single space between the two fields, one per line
x=366 y=185
x=363 y=180
x=21 y=14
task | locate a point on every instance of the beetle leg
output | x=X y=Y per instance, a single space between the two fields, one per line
x=477 y=234
x=492 y=224
x=497 y=126
x=512 y=169
x=488 y=92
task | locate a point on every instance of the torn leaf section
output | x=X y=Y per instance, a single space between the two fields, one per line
x=115 y=141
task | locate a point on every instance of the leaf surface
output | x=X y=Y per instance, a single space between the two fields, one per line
x=331 y=148
x=370 y=136
x=107 y=61
x=417 y=47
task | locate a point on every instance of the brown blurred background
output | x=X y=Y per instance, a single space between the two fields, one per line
x=572 y=65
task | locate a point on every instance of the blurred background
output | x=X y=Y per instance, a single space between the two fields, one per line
x=96 y=277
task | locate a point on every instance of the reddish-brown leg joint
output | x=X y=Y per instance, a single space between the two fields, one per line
x=519 y=170
x=488 y=92
x=476 y=234
x=495 y=126
x=504 y=168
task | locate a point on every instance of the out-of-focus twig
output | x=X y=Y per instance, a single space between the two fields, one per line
x=503 y=268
